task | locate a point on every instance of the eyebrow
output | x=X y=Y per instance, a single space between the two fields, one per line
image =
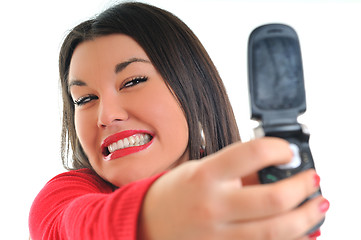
x=75 y=82
x=121 y=66
x=118 y=68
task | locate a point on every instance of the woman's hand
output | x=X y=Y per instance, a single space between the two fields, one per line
x=205 y=199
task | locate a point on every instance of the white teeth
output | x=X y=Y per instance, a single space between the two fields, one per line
x=141 y=138
x=120 y=145
x=126 y=142
x=131 y=140
x=135 y=140
x=146 y=138
x=111 y=148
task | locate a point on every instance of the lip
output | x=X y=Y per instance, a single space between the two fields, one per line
x=126 y=151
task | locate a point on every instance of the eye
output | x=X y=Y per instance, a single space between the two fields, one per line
x=134 y=81
x=84 y=100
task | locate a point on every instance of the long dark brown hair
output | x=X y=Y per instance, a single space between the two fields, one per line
x=181 y=60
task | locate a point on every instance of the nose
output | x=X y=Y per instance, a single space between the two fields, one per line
x=110 y=112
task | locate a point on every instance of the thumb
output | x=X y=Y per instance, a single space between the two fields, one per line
x=243 y=159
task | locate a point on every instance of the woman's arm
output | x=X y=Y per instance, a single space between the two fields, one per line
x=206 y=200
x=202 y=199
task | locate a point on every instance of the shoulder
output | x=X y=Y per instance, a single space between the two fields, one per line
x=74 y=198
x=82 y=179
x=65 y=187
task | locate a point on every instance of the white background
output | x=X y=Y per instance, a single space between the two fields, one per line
x=329 y=32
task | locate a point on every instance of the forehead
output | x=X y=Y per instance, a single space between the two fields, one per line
x=104 y=52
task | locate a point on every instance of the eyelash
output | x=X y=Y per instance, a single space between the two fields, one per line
x=134 y=81
x=83 y=100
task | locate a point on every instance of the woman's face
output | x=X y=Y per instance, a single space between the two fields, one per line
x=127 y=120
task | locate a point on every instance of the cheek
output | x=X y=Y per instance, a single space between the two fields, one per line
x=84 y=128
x=174 y=121
x=160 y=108
x=169 y=117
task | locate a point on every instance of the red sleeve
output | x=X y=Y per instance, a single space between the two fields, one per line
x=80 y=205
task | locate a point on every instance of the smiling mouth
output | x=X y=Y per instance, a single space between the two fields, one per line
x=139 y=140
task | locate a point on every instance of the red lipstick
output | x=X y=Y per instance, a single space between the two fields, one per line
x=125 y=151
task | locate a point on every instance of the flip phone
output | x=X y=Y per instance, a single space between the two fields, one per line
x=277 y=97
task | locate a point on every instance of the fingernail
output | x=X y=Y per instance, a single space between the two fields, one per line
x=315 y=234
x=316 y=180
x=324 y=206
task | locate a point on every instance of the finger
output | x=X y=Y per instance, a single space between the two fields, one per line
x=251 y=179
x=291 y=225
x=306 y=238
x=260 y=201
x=242 y=159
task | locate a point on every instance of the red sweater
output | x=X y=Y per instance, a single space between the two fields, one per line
x=80 y=205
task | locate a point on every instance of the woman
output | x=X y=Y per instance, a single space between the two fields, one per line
x=142 y=98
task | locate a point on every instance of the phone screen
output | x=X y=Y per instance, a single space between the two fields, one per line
x=277 y=72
